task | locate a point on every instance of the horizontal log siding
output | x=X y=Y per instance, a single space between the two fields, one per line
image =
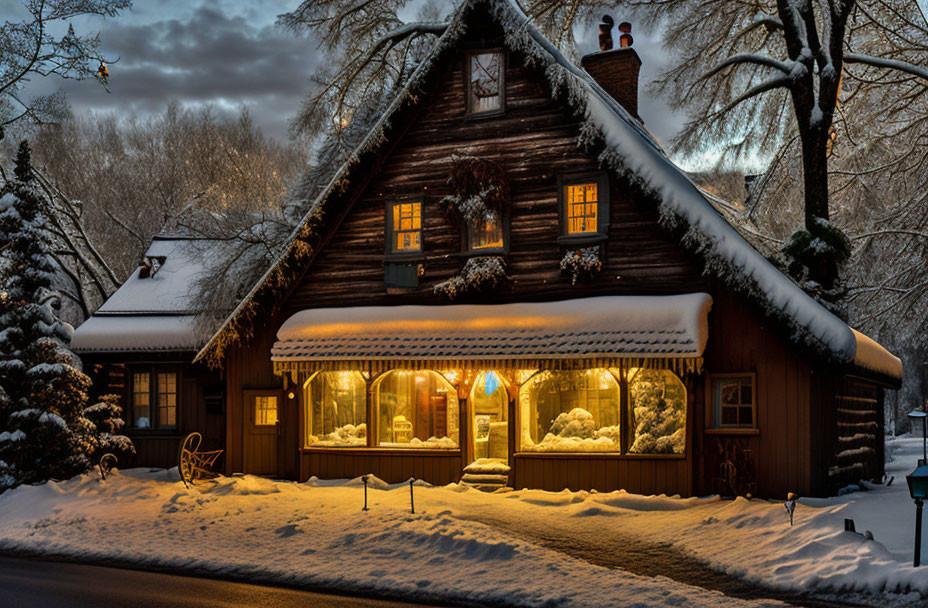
x=604 y=473
x=534 y=141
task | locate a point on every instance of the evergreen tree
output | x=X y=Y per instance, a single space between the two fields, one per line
x=44 y=432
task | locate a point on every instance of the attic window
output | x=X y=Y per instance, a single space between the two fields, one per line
x=151 y=265
x=485 y=72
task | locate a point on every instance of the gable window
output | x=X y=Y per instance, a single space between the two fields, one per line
x=584 y=203
x=734 y=404
x=406 y=227
x=485 y=82
x=154 y=399
x=485 y=232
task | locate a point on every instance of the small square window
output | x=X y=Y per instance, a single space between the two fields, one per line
x=486 y=233
x=485 y=82
x=406 y=227
x=733 y=402
x=265 y=410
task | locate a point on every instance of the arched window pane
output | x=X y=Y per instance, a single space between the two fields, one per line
x=490 y=403
x=416 y=410
x=658 y=411
x=570 y=411
x=336 y=410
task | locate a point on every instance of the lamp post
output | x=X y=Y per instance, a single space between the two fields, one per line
x=913 y=416
x=918 y=488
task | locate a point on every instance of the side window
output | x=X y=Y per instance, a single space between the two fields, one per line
x=141 y=400
x=734 y=402
x=485 y=233
x=485 y=73
x=405 y=227
x=584 y=207
x=154 y=398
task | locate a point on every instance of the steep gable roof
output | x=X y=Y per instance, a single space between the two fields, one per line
x=628 y=150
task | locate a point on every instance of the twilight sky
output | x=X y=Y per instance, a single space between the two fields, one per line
x=228 y=53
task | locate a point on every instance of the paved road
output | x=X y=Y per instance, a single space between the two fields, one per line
x=45 y=584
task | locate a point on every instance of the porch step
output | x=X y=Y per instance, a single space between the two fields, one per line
x=486 y=474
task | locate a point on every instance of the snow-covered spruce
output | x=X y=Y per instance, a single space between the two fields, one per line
x=43 y=430
x=478 y=274
x=583 y=262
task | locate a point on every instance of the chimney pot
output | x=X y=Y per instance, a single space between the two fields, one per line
x=605 y=33
x=626 y=40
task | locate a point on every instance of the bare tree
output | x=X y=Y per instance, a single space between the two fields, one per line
x=28 y=49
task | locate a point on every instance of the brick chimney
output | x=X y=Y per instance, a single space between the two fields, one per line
x=616 y=70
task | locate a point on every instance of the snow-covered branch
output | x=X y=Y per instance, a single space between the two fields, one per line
x=893 y=64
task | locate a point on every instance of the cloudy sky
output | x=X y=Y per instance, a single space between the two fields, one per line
x=228 y=53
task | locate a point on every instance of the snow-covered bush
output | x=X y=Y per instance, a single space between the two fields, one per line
x=478 y=274
x=107 y=421
x=479 y=188
x=43 y=430
x=583 y=262
x=575 y=431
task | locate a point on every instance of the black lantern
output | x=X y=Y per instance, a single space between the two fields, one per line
x=918 y=488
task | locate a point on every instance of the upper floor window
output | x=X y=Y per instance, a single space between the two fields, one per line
x=154 y=399
x=733 y=401
x=584 y=201
x=486 y=232
x=406 y=227
x=485 y=82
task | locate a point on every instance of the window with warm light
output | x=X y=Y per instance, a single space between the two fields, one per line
x=570 y=411
x=658 y=411
x=153 y=399
x=335 y=410
x=584 y=207
x=416 y=409
x=406 y=227
x=485 y=82
x=582 y=202
x=265 y=410
x=486 y=233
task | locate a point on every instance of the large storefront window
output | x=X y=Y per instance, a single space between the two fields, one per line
x=490 y=403
x=416 y=410
x=570 y=411
x=658 y=411
x=336 y=410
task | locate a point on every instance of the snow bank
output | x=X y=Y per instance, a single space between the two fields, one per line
x=316 y=535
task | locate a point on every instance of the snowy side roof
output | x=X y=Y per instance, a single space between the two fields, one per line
x=630 y=151
x=154 y=313
x=627 y=326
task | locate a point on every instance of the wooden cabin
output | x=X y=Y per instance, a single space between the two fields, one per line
x=510 y=276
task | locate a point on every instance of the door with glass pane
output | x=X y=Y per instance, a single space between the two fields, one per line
x=489 y=403
x=261 y=430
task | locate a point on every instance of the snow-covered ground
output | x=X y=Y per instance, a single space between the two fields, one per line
x=316 y=534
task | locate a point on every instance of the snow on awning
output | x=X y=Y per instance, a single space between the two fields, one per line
x=664 y=331
x=125 y=333
x=870 y=355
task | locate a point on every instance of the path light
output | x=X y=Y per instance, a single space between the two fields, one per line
x=918 y=488
x=916 y=415
x=790 y=505
x=364 y=481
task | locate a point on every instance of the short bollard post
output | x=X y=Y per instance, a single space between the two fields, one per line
x=412 y=503
x=364 y=481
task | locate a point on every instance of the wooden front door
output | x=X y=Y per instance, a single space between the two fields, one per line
x=261 y=430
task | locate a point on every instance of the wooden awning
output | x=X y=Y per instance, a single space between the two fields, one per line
x=609 y=331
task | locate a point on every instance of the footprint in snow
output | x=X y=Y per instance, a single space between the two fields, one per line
x=288 y=531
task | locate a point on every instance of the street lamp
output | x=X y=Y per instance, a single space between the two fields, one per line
x=918 y=488
x=913 y=416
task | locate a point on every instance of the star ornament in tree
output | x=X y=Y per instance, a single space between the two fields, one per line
x=103 y=73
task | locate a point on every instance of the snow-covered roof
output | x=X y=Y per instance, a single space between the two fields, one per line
x=629 y=150
x=605 y=326
x=157 y=312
